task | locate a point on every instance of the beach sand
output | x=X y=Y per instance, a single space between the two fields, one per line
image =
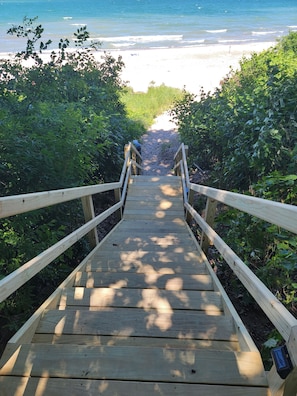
x=190 y=68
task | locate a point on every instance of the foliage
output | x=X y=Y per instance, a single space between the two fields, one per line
x=247 y=128
x=245 y=133
x=62 y=124
x=143 y=107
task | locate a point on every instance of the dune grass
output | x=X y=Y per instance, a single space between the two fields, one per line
x=143 y=107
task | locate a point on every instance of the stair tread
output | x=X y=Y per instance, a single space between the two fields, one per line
x=79 y=387
x=136 y=364
x=145 y=281
x=112 y=340
x=207 y=301
x=138 y=323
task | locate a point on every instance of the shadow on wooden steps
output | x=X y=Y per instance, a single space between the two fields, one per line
x=144 y=316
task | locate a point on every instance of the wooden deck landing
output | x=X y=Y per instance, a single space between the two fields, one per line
x=145 y=315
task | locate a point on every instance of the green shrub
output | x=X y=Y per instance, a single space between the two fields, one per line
x=62 y=124
x=245 y=133
x=247 y=128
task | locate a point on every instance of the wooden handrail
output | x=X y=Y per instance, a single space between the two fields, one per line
x=19 y=277
x=282 y=215
x=23 y=203
x=17 y=204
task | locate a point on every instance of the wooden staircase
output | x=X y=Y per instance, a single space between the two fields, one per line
x=145 y=315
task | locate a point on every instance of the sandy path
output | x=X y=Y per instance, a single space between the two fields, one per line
x=159 y=145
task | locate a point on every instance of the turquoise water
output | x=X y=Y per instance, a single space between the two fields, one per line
x=134 y=24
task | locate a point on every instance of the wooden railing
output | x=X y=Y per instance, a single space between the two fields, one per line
x=284 y=216
x=13 y=205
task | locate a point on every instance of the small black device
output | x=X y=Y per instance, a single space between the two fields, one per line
x=282 y=361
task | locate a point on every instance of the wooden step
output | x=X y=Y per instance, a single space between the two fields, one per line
x=120 y=280
x=120 y=240
x=145 y=262
x=155 y=179
x=136 y=214
x=190 y=263
x=154 y=182
x=81 y=387
x=162 y=191
x=138 y=323
x=156 y=226
x=113 y=340
x=162 y=205
x=135 y=364
x=206 y=301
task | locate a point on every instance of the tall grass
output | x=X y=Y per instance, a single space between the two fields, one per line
x=143 y=107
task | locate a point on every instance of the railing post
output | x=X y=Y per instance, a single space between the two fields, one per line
x=117 y=197
x=126 y=149
x=89 y=213
x=190 y=201
x=210 y=211
x=186 y=150
x=134 y=167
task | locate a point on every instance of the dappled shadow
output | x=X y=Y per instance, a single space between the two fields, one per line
x=142 y=315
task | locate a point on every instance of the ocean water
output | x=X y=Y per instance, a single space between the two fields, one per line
x=136 y=24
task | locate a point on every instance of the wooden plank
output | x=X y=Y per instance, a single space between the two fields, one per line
x=111 y=264
x=113 y=245
x=178 y=226
x=149 y=190
x=151 y=237
x=281 y=214
x=138 y=323
x=22 y=203
x=144 y=199
x=166 y=202
x=19 y=386
x=155 y=179
x=159 y=205
x=136 y=364
x=179 y=256
x=146 y=262
x=145 y=281
x=135 y=214
x=89 y=213
x=149 y=298
x=154 y=194
x=97 y=340
x=135 y=241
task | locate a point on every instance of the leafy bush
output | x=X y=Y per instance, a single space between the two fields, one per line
x=247 y=128
x=62 y=124
x=245 y=133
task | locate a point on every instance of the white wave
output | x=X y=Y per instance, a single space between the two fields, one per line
x=78 y=24
x=235 y=41
x=292 y=27
x=141 y=39
x=264 y=33
x=193 y=41
x=67 y=17
x=122 y=45
x=217 y=31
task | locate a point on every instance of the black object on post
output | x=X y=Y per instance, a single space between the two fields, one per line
x=282 y=361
